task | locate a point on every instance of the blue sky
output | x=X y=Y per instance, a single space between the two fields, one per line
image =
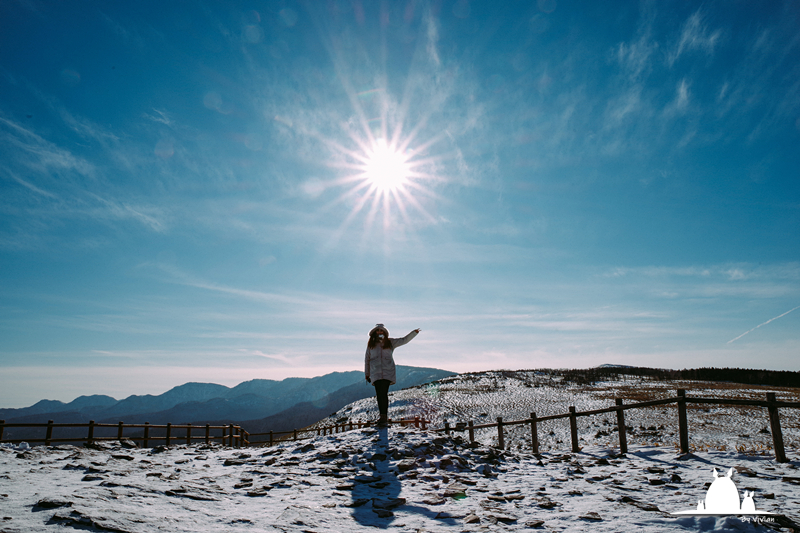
x=196 y=191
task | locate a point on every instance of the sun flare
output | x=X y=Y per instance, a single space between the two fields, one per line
x=386 y=167
x=387 y=174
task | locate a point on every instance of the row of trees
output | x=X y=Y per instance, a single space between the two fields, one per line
x=745 y=376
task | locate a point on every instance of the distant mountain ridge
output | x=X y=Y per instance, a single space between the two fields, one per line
x=203 y=402
x=306 y=413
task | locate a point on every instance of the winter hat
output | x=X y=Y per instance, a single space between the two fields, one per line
x=379 y=326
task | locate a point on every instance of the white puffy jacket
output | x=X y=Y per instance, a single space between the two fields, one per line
x=378 y=361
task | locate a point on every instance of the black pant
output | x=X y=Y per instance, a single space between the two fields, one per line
x=382 y=392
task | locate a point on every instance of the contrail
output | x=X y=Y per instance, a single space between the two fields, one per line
x=764 y=324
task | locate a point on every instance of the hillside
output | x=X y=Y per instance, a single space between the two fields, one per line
x=513 y=395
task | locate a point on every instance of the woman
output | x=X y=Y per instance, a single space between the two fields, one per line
x=379 y=365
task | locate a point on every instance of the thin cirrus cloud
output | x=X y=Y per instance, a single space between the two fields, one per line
x=41 y=155
x=695 y=36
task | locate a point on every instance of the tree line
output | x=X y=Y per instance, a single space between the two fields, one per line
x=745 y=376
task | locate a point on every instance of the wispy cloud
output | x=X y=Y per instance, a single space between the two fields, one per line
x=85 y=127
x=636 y=56
x=763 y=324
x=124 y=211
x=160 y=117
x=30 y=186
x=695 y=36
x=47 y=156
x=731 y=281
x=283 y=358
x=432 y=36
x=789 y=271
x=681 y=96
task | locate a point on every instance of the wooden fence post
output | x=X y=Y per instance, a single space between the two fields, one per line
x=683 y=424
x=471 y=431
x=119 y=432
x=270 y=437
x=189 y=435
x=2 y=427
x=230 y=435
x=49 y=433
x=447 y=428
x=501 y=441
x=416 y=421
x=623 y=436
x=573 y=429
x=534 y=434
x=146 y=434
x=208 y=434
x=169 y=433
x=775 y=426
x=295 y=434
x=90 y=438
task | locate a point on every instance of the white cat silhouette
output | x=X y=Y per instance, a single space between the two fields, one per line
x=748 y=505
x=723 y=498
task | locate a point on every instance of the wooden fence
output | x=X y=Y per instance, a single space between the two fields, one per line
x=232 y=435
x=771 y=403
x=275 y=437
x=236 y=436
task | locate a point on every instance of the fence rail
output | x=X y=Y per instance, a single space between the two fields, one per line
x=348 y=425
x=231 y=434
x=234 y=435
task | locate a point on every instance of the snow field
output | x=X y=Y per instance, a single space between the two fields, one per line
x=402 y=479
x=412 y=480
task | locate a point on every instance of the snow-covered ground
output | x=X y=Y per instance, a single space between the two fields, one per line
x=359 y=480
x=412 y=480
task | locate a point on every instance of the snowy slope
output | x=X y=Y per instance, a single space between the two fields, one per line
x=513 y=395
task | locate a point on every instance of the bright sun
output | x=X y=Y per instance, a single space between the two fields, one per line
x=387 y=172
x=386 y=168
